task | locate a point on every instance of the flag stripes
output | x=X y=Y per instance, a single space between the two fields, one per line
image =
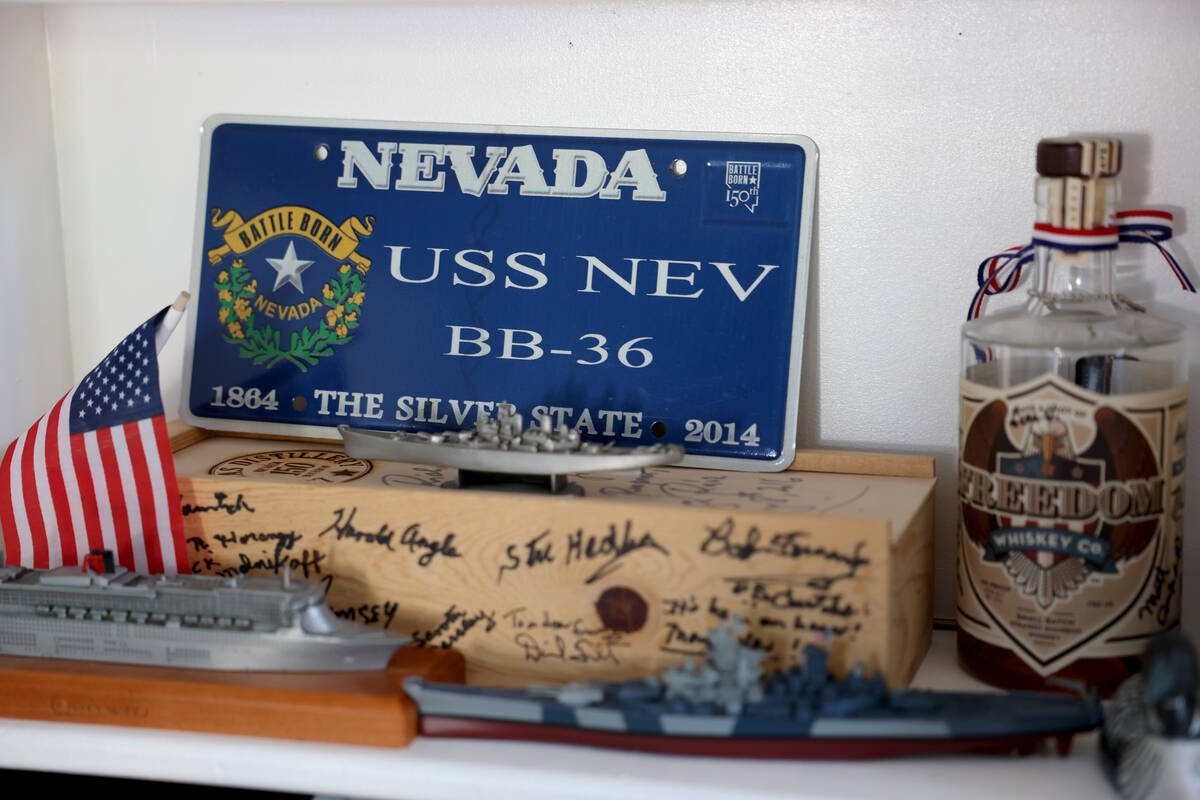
x=104 y=480
x=64 y=544
x=125 y=466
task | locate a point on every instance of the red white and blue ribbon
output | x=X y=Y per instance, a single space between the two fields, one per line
x=1002 y=272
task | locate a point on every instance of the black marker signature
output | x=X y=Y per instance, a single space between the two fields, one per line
x=343 y=525
x=781 y=595
x=582 y=650
x=454 y=625
x=614 y=544
x=421 y=476
x=686 y=642
x=721 y=541
x=412 y=538
x=536 y=552
x=521 y=619
x=284 y=540
x=308 y=562
x=370 y=613
x=1166 y=580
x=237 y=505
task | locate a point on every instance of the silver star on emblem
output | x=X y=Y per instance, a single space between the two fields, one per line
x=289 y=268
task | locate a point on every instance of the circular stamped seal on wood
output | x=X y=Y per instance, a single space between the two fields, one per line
x=304 y=466
x=621 y=609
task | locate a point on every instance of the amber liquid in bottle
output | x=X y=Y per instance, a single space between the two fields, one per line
x=1072 y=426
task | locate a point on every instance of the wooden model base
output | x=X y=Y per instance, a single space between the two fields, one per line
x=363 y=708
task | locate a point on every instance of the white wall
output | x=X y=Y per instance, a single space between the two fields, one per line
x=34 y=345
x=926 y=114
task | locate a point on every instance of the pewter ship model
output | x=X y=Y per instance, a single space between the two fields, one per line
x=499 y=451
x=725 y=709
x=102 y=612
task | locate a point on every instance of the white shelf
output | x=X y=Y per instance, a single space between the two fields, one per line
x=448 y=769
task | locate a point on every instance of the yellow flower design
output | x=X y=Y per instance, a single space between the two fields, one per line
x=330 y=318
x=344 y=269
x=223 y=314
x=235 y=330
x=253 y=287
x=223 y=277
x=352 y=317
x=357 y=298
x=341 y=330
x=242 y=308
x=238 y=262
x=327 y=292
x=225 y=295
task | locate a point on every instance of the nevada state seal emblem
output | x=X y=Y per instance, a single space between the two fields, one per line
x=272 y=307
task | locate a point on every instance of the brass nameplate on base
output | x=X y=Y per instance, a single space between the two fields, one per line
x=616 y=584
x=363 y=708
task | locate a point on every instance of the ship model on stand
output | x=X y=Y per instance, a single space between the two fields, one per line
x=104 y=612
x=128 y=635
x=499 y=453
x=725 y=707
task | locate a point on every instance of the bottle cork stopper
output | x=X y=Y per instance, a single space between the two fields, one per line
x=1079 y=176
x=1079 y=157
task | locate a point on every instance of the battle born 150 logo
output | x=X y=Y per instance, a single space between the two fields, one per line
x=742 y=179
x=1075 y=495
x=324 y=317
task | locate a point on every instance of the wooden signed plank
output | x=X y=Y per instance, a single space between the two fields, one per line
x=182 y=435
x=910 y=594
x=618 y=583
x=851 y=462
x=366 y=708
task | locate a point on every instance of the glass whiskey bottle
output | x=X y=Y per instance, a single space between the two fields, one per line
x=1072 y=427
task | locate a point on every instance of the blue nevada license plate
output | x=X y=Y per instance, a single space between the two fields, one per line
x=640 y=287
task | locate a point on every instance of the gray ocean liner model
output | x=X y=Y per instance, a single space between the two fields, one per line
x=499 y=447
x=104 y=613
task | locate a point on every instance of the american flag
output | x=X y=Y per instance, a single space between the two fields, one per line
x=96 y=471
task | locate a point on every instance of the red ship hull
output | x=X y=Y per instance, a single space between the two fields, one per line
x=735 y=747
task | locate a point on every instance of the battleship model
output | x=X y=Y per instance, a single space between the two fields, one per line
x=102 y=612
x=497 y=449
x=1150 y=743
x=725 y=708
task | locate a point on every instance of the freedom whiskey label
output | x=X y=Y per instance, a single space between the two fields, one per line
x=1070 y=518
